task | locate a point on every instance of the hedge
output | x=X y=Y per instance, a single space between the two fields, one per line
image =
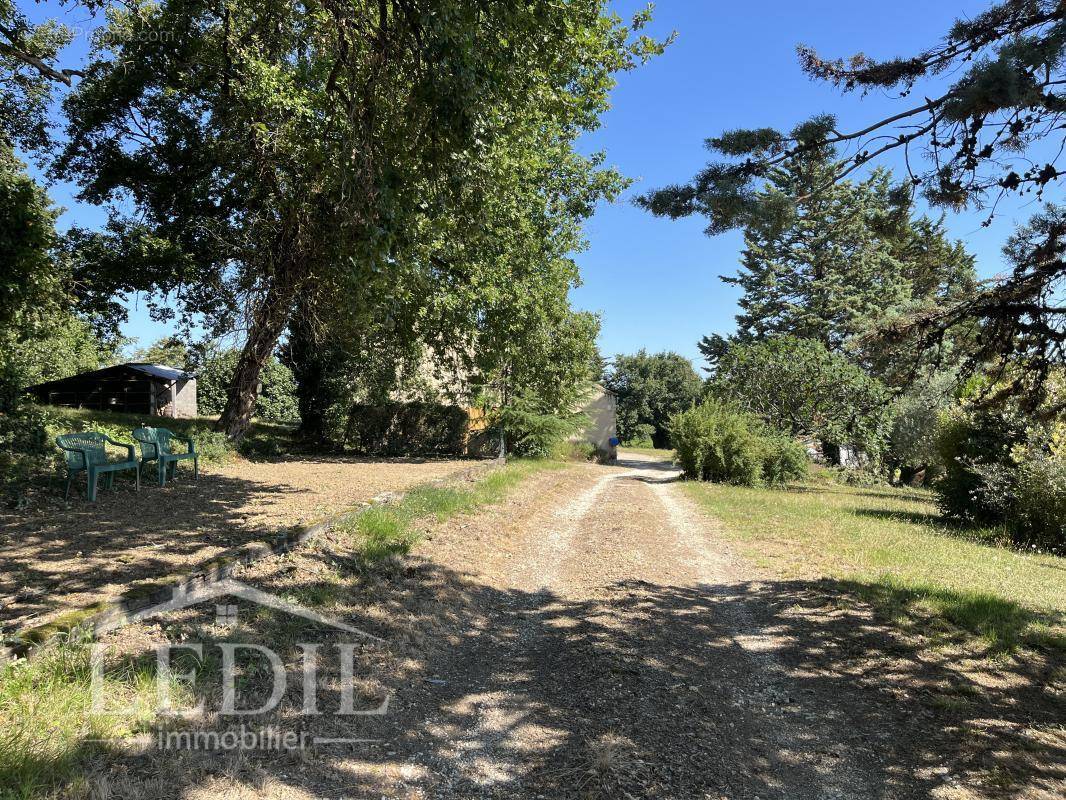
x=396 y=429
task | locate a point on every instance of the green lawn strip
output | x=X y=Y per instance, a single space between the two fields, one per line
x=391 y=529
x=890 y=547
x=650 y=451
x=47 y=724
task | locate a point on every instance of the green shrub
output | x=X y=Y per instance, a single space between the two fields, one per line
x=999 y=471
x=213 y=446
x=1029 y=496
x=642 y=436
x=718 y=442
x=406 y=428
x=532 y=427
x=531 y=434
x=571 y=450
x=967 y=442
x=785 y=459
x=27 y=452
x=857 y=476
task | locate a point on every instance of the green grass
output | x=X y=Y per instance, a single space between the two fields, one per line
x=661 y=452
x=890 y=547
x=392 y=529
x=47 y=721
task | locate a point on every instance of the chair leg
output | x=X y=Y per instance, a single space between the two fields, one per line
x=162 y=473
x=137 y=473
x=70 y=478
x=109 y=480
x=196 y=469
x=93 y=475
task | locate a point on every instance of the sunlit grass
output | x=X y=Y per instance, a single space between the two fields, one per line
x=48 y=727
x=891 y=547
x=659 y=452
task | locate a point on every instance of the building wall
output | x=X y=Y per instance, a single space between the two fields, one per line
x=603 y=426
x=176 y=400
x=185 y=399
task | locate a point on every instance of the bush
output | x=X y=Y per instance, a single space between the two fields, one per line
x=26 y=452
x=967 y=442
x=406 y=428
x=718 y=442
x=534 y=434
x=1029 y=497
x=1000 y=472
x=642 y=436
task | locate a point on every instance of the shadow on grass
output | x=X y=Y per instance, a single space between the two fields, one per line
x=944 y=526
x=508 y=693
x=1002 y=624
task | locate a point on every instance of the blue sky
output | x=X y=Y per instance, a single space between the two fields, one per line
x=655 y=281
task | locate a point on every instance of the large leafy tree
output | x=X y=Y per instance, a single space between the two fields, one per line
x=286 y=151
x=996 y=130
x=801 y=387
x=478 y=298
x=29 y=73
x=649 y=390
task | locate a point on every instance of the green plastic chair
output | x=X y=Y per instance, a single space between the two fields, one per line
x=156 y=446
x=85 y=452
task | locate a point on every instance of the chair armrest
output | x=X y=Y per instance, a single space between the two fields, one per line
x=80 y=450
x=188 y=440
x=129 y=447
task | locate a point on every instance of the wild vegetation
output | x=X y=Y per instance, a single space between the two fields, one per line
x=862 y=325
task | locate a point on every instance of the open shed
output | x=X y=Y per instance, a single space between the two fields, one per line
x=137 y=388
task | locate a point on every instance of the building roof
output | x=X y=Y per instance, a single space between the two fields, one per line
x=160 y=371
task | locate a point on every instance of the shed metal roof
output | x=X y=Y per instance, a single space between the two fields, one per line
x=159 y=371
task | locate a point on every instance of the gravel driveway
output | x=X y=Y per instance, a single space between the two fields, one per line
x=594 y=636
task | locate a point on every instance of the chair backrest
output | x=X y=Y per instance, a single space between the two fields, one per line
x=149 y=438
x=91 y=442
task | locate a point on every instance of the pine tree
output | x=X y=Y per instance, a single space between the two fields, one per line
x=825 y=260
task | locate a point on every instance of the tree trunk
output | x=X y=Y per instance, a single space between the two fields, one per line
x=268 y=321
x=660 y=439
x=310 y=362
x=912 y=475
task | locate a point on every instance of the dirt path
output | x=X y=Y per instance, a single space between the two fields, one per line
x=68 y=554
x=609 y=655
x=594 y=636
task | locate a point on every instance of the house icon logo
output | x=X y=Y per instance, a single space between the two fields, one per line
x=183 y=598
x=234 y=658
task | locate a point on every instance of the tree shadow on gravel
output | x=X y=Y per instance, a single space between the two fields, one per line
x=777 y=689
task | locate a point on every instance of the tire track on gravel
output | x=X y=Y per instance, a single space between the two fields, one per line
x=717 y=570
